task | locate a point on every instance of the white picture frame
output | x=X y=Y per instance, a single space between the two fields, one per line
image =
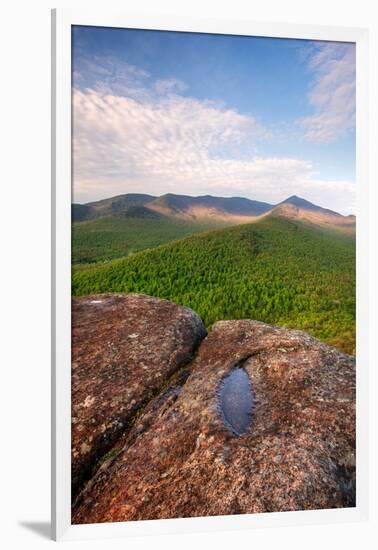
x=62 y=20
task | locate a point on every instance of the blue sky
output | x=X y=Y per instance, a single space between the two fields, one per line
x=190 y=113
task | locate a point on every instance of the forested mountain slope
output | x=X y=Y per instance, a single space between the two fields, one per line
x=275 y=270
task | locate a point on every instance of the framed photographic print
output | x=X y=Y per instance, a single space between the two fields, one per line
x=209 y=227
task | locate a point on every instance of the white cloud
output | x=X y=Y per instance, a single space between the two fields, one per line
x=164 y=141
x=332 y=94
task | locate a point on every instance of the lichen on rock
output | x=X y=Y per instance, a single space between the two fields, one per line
x=124 y=348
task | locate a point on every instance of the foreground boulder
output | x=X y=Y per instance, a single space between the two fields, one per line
x=124 y=349
x=265 y=422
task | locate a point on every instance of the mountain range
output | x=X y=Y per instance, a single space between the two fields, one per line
x=208 y=208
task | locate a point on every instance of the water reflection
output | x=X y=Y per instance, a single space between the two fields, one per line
x=236 y=401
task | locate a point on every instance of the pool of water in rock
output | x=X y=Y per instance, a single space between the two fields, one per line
x=236 y=401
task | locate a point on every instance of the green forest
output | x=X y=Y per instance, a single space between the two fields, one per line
x=277 y=271
x=112 y=237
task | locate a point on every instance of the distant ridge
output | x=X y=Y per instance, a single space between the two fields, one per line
x=307 y=205
x=206 y=206
x=228 y=210
x=110 y=206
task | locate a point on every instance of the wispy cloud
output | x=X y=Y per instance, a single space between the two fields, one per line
x=170 y=138
x=170 y=85
x=108 y=75
x=133 y=134
x=332 y=93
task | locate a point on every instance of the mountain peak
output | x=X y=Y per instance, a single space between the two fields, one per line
x=303 y=204
x=298 y=201
x=294 y=197
x=296 y=208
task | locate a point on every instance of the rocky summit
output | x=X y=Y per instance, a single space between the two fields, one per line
x=125 y=348
x=251 y=418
